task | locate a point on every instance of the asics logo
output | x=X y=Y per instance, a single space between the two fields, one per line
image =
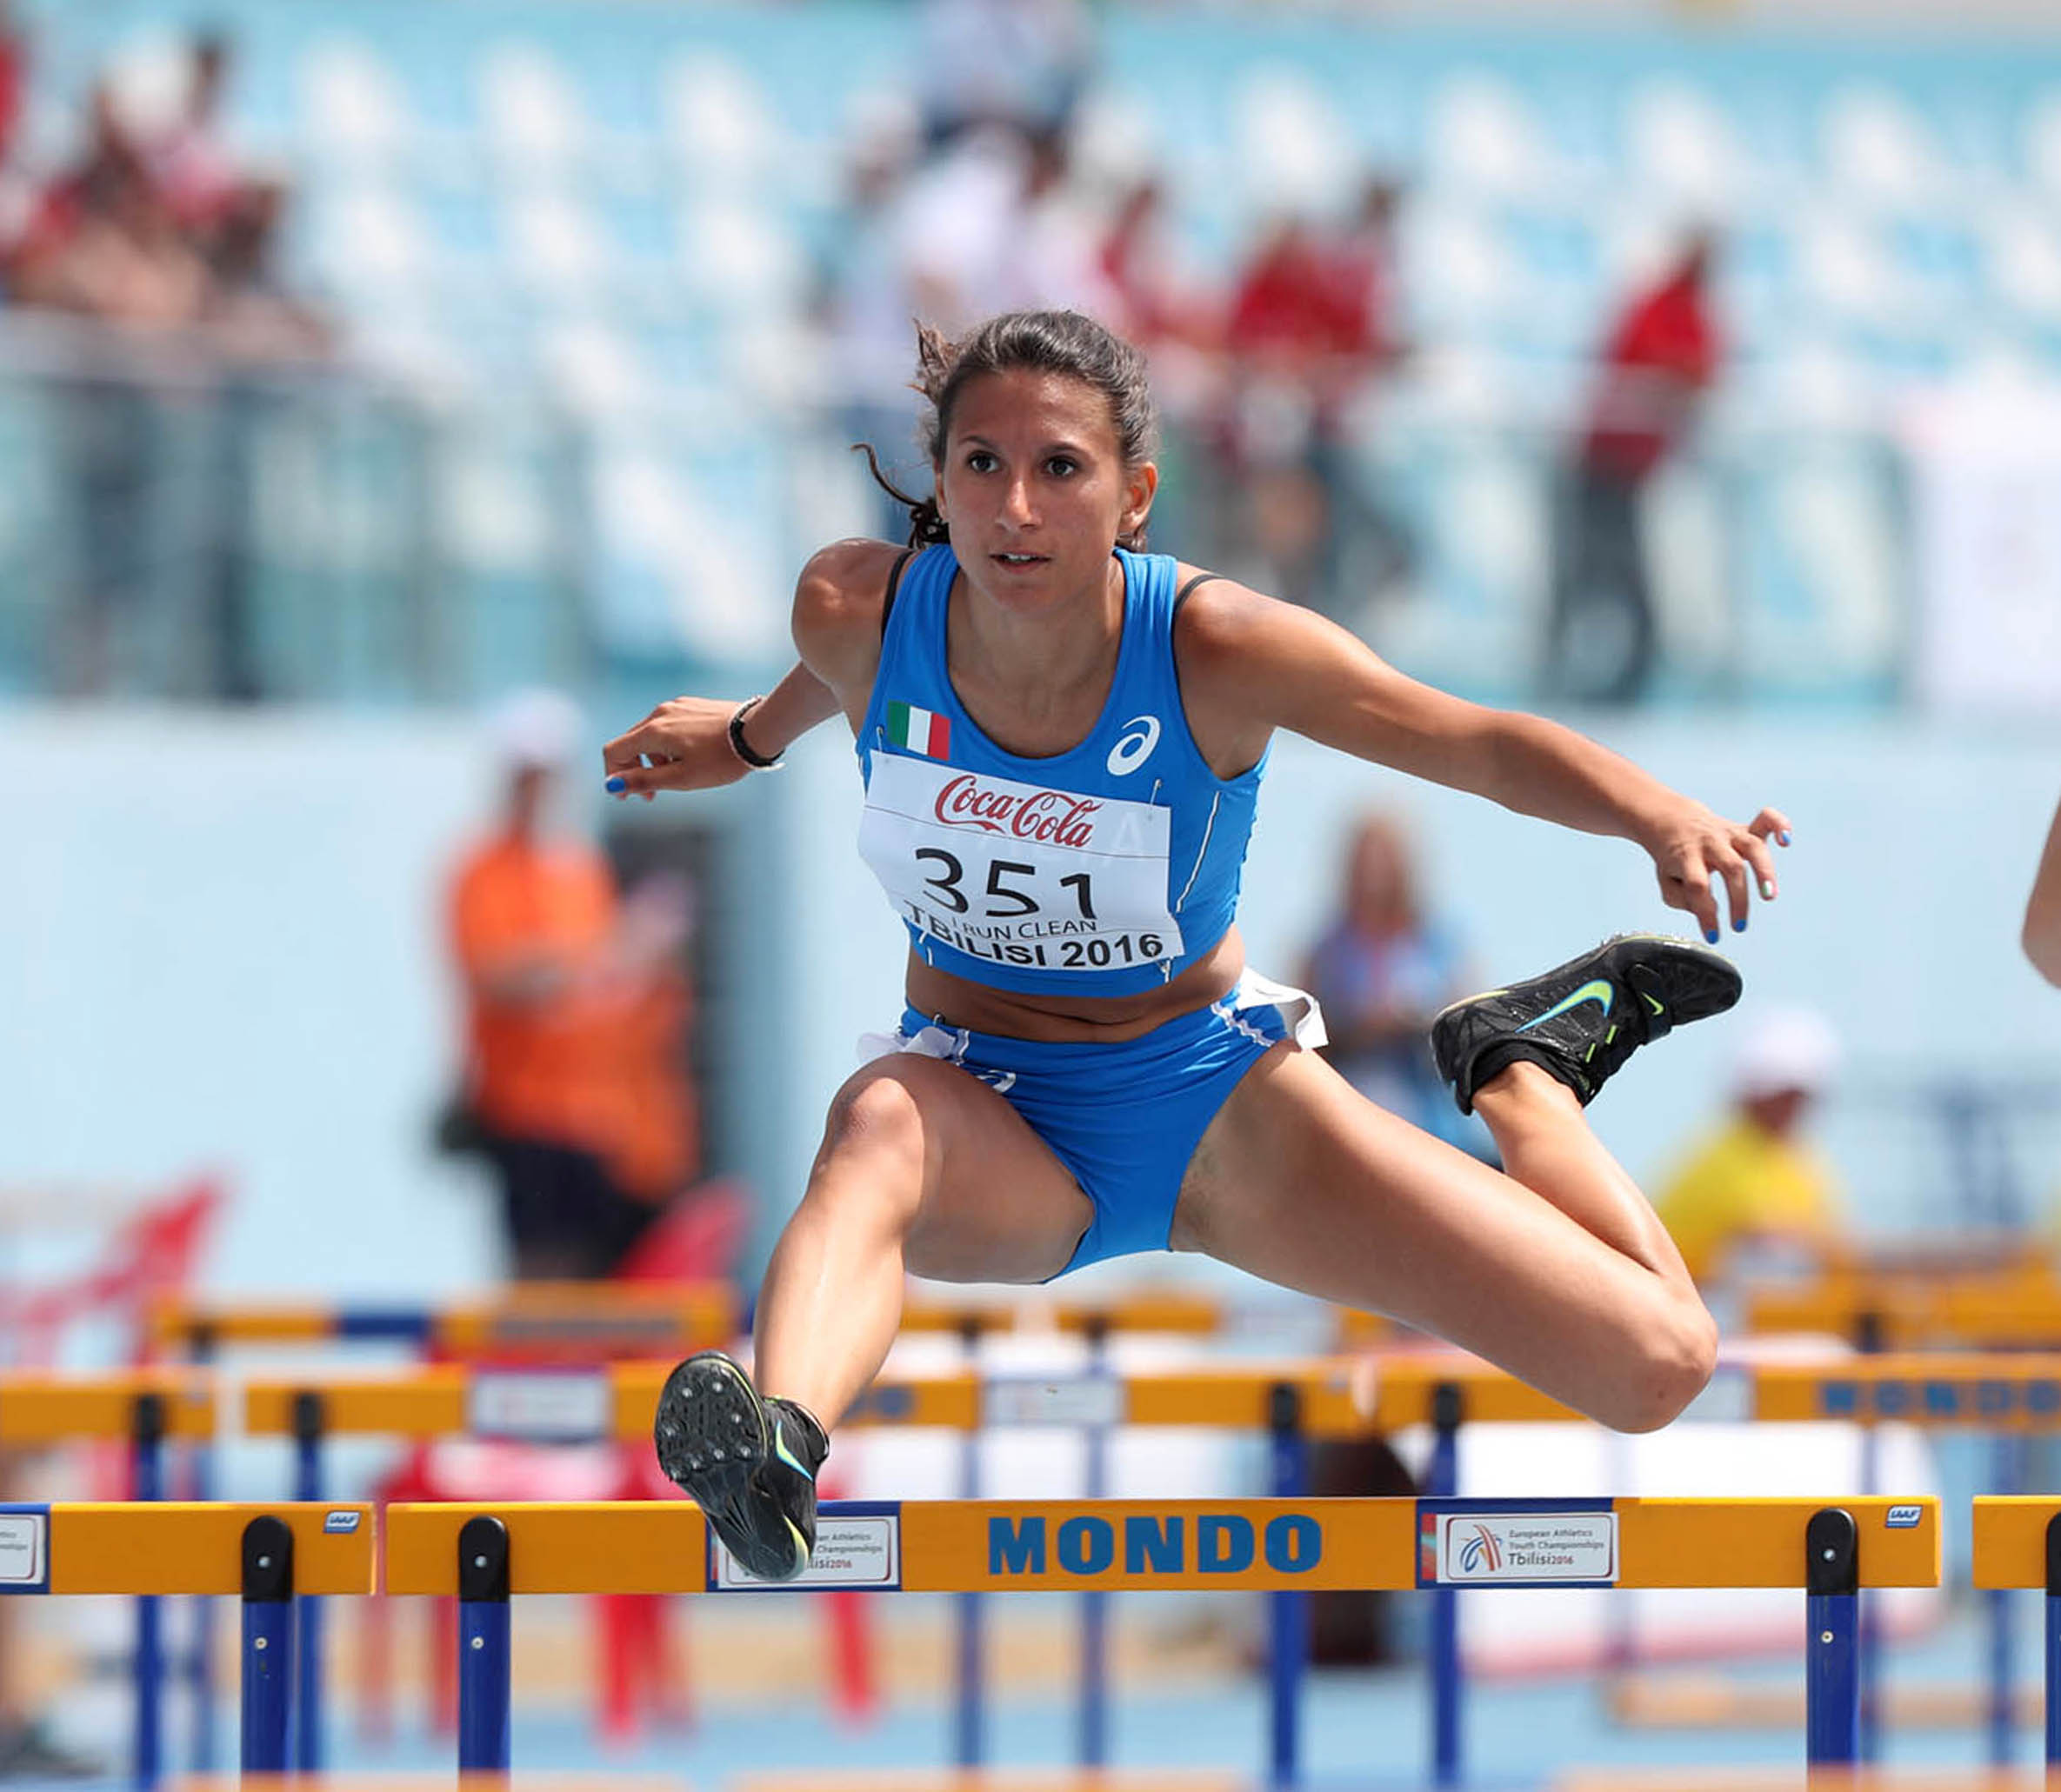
x=1599 y=992
x=1141 y=734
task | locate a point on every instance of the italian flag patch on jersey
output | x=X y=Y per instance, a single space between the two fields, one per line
x=919 y=730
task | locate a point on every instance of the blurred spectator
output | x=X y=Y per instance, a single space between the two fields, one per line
x=1381 y=970
x=2041 y=936
x=865 y=306
x=1052 y=256
x=1279 y=331
x=1017 y=63
x=164 y=250
x=14 y=80
x=575 y=1011
x=953 y=229
x=1752 y=1194
x=1159 y=301
x=104 y=244
x=1661 y=356
x=998 y=222
x=252 y=315
x=192 y=165
x=1309 y=328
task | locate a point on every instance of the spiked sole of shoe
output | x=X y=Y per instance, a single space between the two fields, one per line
x=711 y=1434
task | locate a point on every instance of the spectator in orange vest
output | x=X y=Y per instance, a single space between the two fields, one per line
x=572 y=1022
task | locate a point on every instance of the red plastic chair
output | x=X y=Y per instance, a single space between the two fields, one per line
x=153 y=1254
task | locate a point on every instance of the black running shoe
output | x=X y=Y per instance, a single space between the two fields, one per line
x=749 y=1463
x=1583 y=1020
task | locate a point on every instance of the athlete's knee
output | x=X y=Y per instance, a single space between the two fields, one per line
x=878 y=1114
x=1672 y=1357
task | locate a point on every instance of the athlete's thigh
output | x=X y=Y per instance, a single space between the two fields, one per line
x=995 y=1204
x=1302 y=1181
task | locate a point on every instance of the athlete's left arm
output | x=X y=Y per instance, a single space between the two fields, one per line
x=1250 y=664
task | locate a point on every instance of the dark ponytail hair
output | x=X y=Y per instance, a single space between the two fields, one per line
x=1036 y=342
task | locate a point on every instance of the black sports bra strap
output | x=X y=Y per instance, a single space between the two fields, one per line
x=894 y=584
x=1201 y=578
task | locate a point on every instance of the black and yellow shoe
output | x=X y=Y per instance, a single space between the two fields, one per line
x=749 y=1463
x=1582 y=1020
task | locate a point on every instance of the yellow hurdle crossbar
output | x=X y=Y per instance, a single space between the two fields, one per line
x=956 y=1546
x=2017 y=1304
x=1328 y=1397
x=171 y=1546
x=659 y=1319
x=2011 y=1540
x=1999 y=1391
x=1331 y=1397
x=56 y=1408
x=550 y=1319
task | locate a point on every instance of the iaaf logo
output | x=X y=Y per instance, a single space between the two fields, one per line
x=1052 y=817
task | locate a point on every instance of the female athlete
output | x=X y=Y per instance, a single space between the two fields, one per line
x=1062 y=737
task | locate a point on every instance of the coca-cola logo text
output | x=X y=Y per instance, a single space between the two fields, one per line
x=1052 y=817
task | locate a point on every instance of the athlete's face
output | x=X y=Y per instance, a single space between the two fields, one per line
x=1034 y=487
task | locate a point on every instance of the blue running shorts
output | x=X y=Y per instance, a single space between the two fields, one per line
x=1125 y=1119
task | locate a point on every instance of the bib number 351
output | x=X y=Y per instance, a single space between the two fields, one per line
x=1050 y=879
x=1003 y=875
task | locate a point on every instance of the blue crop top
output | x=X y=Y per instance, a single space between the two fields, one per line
x=1102 y=871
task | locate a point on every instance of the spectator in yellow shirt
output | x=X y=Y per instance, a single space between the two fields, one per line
x=1754 y=1184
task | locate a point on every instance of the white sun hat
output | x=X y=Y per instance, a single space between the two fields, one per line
x=1786 y=1048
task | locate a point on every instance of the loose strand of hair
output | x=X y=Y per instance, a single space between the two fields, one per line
x=926 y=526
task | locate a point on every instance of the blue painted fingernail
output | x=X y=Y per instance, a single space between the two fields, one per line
x=615 y=787
x=1784 y=836
x=1739 y=924
x=1709 y=936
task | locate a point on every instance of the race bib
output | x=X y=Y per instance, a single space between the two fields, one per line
x=1017 y=873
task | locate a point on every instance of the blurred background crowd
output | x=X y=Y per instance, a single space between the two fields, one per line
x=1662 y=363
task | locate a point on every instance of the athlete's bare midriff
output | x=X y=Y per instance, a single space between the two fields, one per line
x=958 y=1002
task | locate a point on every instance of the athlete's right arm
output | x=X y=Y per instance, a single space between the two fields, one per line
x=683 y=744
x=2042 y=935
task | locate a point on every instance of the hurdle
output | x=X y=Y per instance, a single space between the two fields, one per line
x=486 y=1555
x=602 y=1320
x=584 y=1321
x=267 y=1556
x=1291 y=1403
x=2018 y=1543
x=2014 y=1306
x=144 y=1408
x=600 y=1403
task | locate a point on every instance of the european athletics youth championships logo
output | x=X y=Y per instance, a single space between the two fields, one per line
x=1481 y=1553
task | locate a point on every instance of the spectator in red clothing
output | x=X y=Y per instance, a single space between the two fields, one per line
x=1358 y=275
x=14 y=79
x=193 y=164
x=1661 y=357
x=1308 y=325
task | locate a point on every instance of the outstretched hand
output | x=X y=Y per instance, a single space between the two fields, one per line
x=1696 y=845
x=683 y=744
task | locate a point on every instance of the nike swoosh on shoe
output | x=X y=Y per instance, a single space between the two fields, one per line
x=1601 y=992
